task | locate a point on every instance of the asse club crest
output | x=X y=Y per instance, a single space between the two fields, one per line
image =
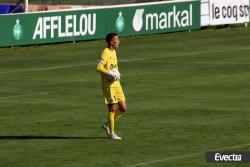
x=17 y=30
x=120 y=22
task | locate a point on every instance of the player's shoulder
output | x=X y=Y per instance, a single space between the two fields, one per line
x=106 y=50
x=107 y=53
x=104 y=54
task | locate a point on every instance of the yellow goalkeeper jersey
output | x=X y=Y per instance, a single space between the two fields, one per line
x=107 y=61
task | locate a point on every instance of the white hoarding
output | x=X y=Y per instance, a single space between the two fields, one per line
x=205 y=13
x=228 y=11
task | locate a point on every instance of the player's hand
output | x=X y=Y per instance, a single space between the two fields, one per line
x=114 y=75
x=111 y=74
x=118 y=75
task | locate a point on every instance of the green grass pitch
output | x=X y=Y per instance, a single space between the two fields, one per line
x=187 y=93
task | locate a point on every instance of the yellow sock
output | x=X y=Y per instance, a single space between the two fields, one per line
x=118 y=114
x=111 y=121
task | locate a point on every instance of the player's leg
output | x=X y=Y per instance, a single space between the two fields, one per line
x=111 y=101
x=111 y=118
x=107 y=92
x=122 y=106
x=121 y=103
x=122 y=109
x=112 y=122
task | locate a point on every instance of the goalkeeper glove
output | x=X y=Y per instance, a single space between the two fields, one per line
x=118 y=75
x=114 y=75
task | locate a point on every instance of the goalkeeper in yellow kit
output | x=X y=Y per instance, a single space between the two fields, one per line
x=112 y=90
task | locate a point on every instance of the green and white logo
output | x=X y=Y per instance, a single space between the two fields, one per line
x=17 y=30
x=138 y=20
x=120 y=22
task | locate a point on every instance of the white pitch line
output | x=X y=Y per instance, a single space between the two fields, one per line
x=125 y=60
x=186 y=155
x=45 y=68
x=197 y=62
x=25 y=95
x=185 y=54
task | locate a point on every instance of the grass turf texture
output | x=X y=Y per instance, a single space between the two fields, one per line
x=186 y=93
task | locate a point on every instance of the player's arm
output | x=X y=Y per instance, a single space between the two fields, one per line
x=102 y=62
x=100 y=66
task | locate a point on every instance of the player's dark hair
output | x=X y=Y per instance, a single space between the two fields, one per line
x=110 y=36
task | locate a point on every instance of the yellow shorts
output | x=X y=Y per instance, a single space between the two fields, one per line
x=113 y=95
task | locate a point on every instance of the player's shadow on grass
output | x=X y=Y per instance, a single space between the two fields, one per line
x=49 y=138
